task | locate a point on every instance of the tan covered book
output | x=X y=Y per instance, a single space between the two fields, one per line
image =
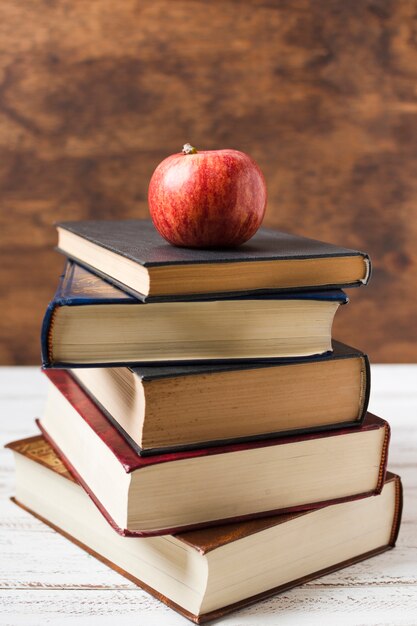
x=205 y=573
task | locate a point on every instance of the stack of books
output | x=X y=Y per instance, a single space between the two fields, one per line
x=203 y=434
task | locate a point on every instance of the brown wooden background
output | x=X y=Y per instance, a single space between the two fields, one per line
x=322 y=93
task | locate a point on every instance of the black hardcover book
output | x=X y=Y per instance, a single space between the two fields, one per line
x=133 y=256
x=169 y=408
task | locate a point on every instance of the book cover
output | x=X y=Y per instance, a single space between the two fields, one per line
x=158 y=372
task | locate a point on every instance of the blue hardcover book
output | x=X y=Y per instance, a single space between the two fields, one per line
x=91 y=322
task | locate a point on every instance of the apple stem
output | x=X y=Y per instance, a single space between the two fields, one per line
x=188 y=149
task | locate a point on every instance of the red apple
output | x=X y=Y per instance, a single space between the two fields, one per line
x=207 y=199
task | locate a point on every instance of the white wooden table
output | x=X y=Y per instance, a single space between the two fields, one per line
x=45 y=579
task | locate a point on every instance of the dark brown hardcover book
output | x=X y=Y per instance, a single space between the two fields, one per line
x=133 y=256
x=207 y=573
x=149 y=495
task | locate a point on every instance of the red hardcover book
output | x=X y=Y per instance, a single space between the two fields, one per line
x=206 y=573
x=170 y=492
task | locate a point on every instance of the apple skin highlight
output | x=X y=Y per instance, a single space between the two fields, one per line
x=207 y=199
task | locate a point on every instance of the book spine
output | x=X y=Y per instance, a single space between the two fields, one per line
x=365 y=387
x=60 y=298
x=384 y=459
x=46 y=334
x=397 y=512
x=368 y=264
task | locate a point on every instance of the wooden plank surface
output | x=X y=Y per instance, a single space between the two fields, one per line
x=322 y=94
x=44 y=579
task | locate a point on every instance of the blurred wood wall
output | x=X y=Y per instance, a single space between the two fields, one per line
x=323 y=94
